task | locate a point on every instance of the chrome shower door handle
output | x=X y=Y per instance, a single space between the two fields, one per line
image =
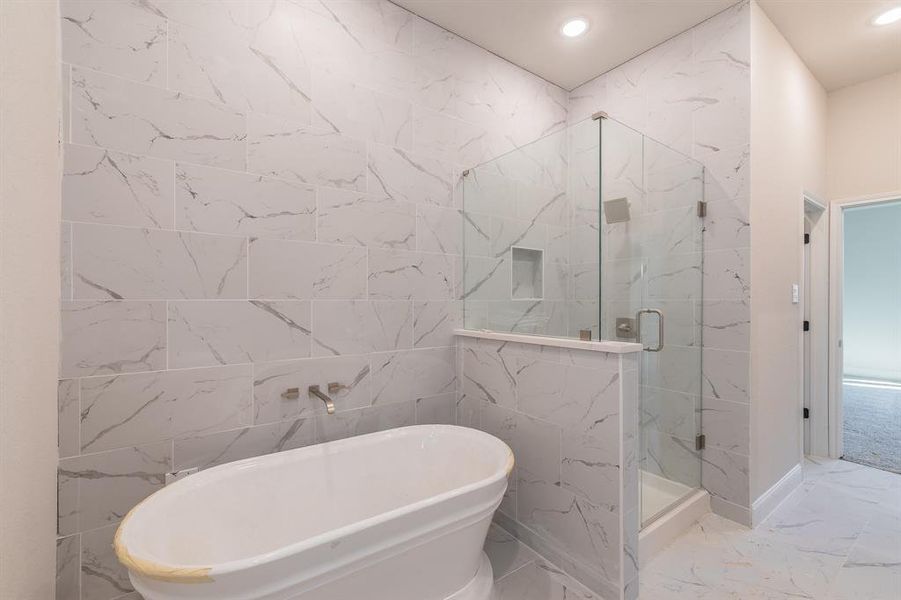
x=659 y=314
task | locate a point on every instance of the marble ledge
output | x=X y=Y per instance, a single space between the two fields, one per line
x=557 y=342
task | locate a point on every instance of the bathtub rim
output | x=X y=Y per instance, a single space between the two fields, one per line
x=204 y=573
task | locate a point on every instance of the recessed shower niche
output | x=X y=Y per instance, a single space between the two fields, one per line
x=527 y=281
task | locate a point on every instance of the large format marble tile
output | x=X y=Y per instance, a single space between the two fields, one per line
x=821 y=518
x=219 y=201
x=831 y=539
x=355 y=111
x=413 y=374
x=535 y=443
x=104 y=337
x=214 y=15
x=438 y=229
x=125 y=410
x=102 y=186
x=361 y=326
x=401 y=275
x=122 y=38
x=588 y=533
x=488 y=372
x=121 y=115
x=68 y=565
x=571 y=396
x=434 y=322
x=539 y=580
x=402 y=175
x=259 y=77
x=438 y=54
x=437 y=410
x=726 y=375
x=726 y=424
x=271 y=380
x=873 y=568
x=726 y=475
x=283 y=269
x=727 y=274
x=149 y=264
x=206 y=451
x=487 y=278
x=727 y=324
x=727 y=225
x=207 y=333
x=69 y=417
x=361 y=219
x=65 y=261
x=365 y=420
x=102 y=575
x=99 y=489
x=298 y=152
x=507 y=554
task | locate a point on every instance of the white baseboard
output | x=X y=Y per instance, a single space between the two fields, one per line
x=767 y=502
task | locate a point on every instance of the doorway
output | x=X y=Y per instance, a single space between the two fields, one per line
x=815 y=310
x=867 y=366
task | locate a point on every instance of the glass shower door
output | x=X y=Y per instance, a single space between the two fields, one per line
x=651 y=292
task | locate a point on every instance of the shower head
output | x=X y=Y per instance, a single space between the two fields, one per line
x=616 y=210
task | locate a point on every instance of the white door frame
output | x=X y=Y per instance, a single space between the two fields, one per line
x=814 y=345
x=836 y=356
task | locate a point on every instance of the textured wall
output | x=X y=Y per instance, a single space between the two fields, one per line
x=30 y=167
x=693 y=94
x=571 y=418
x=257 y=196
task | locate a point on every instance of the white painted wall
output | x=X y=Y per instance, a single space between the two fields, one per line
x=864 y=139
x=29 y=295
x=788 y=141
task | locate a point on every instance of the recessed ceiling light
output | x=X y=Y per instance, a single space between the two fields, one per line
x=574 y=27
x=888 y=17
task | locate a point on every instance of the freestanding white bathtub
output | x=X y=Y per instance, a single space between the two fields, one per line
x=395 y=515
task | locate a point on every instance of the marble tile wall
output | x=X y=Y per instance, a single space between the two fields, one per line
x=692 y=93
x=571 y=418
x=258 y=195
x=534 y=200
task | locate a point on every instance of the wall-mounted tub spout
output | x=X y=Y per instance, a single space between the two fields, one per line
x=329 y=405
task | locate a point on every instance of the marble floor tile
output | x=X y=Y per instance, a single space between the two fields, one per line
x=837 y=537
x=520 y=573
x=507 y=553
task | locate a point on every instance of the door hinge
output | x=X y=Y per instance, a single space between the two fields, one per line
x=700 y=442
x=806 y=325
x=806 y=413
x=702 y=208
x=806 y=238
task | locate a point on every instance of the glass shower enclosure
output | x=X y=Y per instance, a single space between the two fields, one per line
x=598 y=228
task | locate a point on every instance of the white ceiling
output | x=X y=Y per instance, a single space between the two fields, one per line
x=836 y=39
x=526 y=32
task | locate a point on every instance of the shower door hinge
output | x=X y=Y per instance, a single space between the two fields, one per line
x=700 y=442
x=702 y=208
x=806 y=413
x=806 y=238
x=806 y=326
